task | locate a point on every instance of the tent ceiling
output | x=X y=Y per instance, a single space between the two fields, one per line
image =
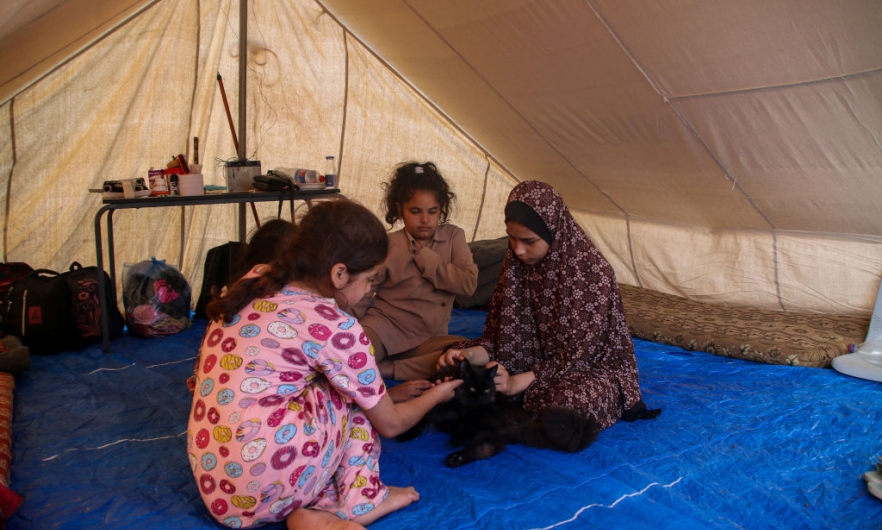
x=724 y=114
x=37 y=35
x=727 y=150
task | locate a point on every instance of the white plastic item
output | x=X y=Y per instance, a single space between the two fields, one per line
x=306 y=176
x=854 y=365
x=870 y=351
x=191 y=184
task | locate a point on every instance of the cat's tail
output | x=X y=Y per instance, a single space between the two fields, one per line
x=567 y=430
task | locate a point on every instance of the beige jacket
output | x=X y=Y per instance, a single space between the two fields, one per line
x=415 y=292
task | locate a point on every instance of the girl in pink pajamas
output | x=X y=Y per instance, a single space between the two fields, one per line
x=289 y=404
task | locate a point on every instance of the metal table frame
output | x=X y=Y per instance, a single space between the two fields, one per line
x=240 y=198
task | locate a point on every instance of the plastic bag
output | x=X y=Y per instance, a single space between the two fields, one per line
x=157 y=299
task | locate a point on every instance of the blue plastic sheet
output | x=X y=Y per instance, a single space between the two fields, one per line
x=99 y=442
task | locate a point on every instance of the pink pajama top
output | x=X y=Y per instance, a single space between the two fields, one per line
x=277 y=420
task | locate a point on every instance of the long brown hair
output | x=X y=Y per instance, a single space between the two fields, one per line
x=335 y=231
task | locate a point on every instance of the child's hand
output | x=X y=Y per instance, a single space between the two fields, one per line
x=511 y=385
x=476 y=356
x=450 y=358
x=443 y=391
x=501 y=380
x=409 y=390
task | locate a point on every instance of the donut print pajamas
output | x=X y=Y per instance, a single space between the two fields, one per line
x=277 y=420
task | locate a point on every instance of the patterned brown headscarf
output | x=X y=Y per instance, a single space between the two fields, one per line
x=563 y=319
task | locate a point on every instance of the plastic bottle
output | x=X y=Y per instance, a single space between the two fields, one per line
x=331 y=172
x=160 y=186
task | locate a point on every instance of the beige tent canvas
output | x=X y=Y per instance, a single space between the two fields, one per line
x=727 y=151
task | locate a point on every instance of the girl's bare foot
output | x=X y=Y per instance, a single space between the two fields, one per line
x=306 y=519
x=397 y=499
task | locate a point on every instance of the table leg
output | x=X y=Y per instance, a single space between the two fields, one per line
x=102 y=287
x=242 y=221
x=111 y=252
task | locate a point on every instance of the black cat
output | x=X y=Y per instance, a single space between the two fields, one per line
x=483 y=422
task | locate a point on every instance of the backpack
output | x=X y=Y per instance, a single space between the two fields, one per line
x=37 y=309
x=86 y=307
x=11 y=272
x=219 y=266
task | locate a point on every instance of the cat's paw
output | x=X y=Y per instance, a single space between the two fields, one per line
x=456 y=459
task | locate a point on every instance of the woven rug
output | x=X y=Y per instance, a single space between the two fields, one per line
x=773 y=337
x=9 y=500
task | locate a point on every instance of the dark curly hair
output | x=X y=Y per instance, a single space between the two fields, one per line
x=407 y=180
x=331 y=232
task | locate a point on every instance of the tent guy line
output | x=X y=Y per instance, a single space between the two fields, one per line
x=111 y=444
x=133 y=364
x=613 y=505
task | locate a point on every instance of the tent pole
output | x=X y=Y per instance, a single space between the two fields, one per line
x=243 y=60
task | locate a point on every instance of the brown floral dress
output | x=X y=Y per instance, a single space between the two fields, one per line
x=563 y=319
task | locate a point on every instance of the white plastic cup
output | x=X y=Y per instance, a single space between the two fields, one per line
x=191 y=184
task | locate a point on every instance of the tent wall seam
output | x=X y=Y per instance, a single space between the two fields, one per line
x=776 y=260
x=9 y=178
x=514 y=111
x=346 y=74
x=844 y=77
x=455 y=126
x=670 y=104
x=85 y=47
x=634 y=268
x=518 y=114
x=744 y=194
x=774 y=230
x=483 y=198
x=615 y=37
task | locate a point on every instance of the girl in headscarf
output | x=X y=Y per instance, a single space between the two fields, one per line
x=556 y=324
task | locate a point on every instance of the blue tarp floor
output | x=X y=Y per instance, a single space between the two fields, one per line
x=99 y=442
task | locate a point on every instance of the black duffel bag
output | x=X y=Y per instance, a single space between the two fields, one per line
x=37 y=309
